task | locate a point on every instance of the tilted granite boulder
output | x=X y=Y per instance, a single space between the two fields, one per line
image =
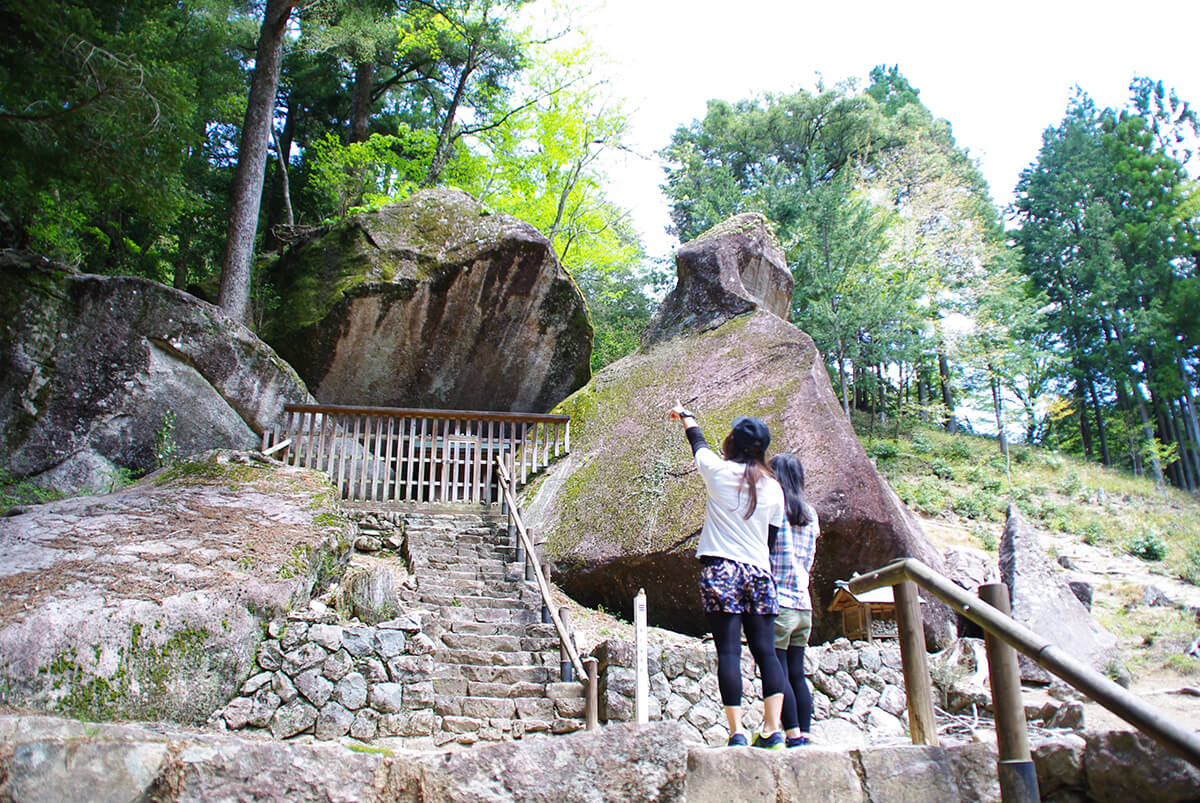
x=91 y=366
x=729 y=270
x=151 y=602
x=434 y=302
x=624 y=508
x=1043 y=601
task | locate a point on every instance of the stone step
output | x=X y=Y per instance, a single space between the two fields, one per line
x=488 y=615
x=517 y=629
x=482 y=588
x=472 y=601
x=496 y=674
x=498 y=643
x=449 y=655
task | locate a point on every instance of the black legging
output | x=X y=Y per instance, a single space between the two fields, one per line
x=760 y=635
x=797 y=700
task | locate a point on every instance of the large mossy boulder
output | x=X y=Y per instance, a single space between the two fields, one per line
x=98 y=374
x=623 y=510
x=434 y=302
x=150 y=603
x=731 y=269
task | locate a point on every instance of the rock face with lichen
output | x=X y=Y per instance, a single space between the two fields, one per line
x=432 y=303
x=731 y=269
x=93 y=367
x=623 y=510
x=1043 y=601
x=149 y=603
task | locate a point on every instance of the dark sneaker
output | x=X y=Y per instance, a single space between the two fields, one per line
x=772 y=742
x=737 y=740
x=797 y=741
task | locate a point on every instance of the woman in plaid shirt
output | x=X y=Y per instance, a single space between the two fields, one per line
x=792 y=553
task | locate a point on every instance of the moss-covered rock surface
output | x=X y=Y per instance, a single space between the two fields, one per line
x=432 y=302
x=623 y=510
x=150 y=603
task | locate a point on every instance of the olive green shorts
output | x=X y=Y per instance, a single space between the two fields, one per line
x=792 y=628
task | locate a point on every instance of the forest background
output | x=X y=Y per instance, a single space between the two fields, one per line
x=190 y=141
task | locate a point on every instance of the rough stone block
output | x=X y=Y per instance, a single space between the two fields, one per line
x=359 y=641
x=713 y=775
x=282 y=685
x=333 y=720
x=337 y=665
x=909 y=774
x=306 y=656
x=483 y=707
x=365 y=725
x=387 y=698
x=314 y=686
x=390 y=643
x=351 y=691
x=82 y=771
x=817 y=774
x=293 y=718
x=328 y=636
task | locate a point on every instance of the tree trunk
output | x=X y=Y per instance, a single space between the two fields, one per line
x=998 y=408
x=360 y=102
x=441 y=154
x=947 y=392
x=1099 y=422
x=1085 y=430
x=1191 y=425
x=284 y=185
x=275 y=199
x=234 y=297
x=841 y=361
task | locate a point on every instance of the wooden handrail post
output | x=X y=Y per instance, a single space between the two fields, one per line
x=922 y=725
x=566 y=672
x=591 y=706
x=546 y=618
x=1017 y=775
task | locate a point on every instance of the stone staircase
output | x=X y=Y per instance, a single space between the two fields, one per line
x=496 y=666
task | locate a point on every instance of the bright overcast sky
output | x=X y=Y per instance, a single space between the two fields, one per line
x=1001 y=73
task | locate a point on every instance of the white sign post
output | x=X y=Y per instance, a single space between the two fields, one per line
x=641 y=667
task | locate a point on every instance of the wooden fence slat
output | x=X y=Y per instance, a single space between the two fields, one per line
x=410 y=468
x=389 y=472
x=421 y=462
x=355 y=460
x=376 y=459
x=490 y=428
x=339 y=443
x=321 y=444
x=366 y=456
x=308 y=440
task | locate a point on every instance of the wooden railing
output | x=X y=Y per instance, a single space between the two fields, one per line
x=381 y=454
x=1003 y=635
x=586 y=669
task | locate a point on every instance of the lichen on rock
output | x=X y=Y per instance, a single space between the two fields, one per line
x=432 y=302
x=150 y=602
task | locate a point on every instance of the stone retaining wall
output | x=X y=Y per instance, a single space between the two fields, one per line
x=334 y=680
x=858 y=685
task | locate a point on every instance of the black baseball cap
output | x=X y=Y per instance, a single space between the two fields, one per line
x=751 y=434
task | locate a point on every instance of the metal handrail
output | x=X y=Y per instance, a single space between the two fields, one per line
x=568 y=643
x=1104 y=691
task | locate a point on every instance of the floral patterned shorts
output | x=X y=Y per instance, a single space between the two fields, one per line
x=727 y=586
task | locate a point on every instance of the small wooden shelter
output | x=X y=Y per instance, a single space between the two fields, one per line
x=868 y=615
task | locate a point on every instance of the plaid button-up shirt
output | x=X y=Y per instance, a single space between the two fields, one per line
x=791 y=560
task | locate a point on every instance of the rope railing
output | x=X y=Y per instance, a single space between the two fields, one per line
x=1003 y=635
x=588 y=678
